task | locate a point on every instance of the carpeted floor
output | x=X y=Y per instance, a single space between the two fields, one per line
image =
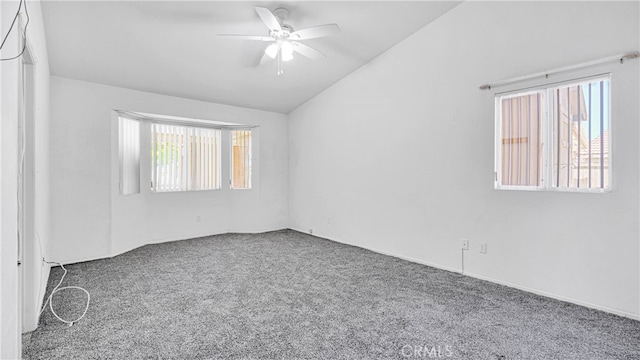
x=287 y=295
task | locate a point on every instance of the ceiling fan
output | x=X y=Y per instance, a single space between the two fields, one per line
x=284 y=39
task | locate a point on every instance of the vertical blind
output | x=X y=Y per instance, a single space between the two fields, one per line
x=241 y=159
x=129 y=155
x=184 y=158
x=522 y=140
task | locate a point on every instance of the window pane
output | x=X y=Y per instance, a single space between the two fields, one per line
x=168 y=157
x=521 y=140
x=204 y=159
x=581 y=135
x=184 y=158
x=241 y=159
x=129 y=155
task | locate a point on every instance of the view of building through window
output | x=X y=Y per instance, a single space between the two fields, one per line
x=581 y=141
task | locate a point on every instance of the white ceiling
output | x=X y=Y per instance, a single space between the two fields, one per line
x=171 y=47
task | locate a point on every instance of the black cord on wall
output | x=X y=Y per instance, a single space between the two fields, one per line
x=24 y=41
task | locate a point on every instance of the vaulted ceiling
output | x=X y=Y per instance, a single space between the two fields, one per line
x=172 y=47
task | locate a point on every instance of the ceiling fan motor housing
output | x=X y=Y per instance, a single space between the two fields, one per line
x=281 y=14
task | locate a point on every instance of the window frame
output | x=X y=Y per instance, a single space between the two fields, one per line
x=146 y=147
x=547 y=89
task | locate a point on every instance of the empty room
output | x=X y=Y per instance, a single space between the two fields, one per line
x=319 y=179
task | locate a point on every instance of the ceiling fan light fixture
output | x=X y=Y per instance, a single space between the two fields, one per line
x=287 y=50
x=287 y=57
x=272 y=50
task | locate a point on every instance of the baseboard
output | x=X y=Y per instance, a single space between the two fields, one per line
x=157 y=241
x=160 y=241
x=42 y=292
x=44 y=280
x=413 y=260
x=557 y=297
x=489 y=279
x=31 y=316
x=184 y=237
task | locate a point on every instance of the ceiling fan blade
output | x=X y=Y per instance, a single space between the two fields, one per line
x=249 y=37
x=307 y=51
x=315 y=32
x=267 y=17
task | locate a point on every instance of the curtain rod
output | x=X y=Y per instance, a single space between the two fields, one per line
x=210 y=124
x=621 y=58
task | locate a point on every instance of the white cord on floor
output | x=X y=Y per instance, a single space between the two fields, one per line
x=58 y=288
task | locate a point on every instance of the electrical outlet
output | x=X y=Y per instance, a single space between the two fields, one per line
x=465 y=244
x=483 y=247
x=311 y=231
x=197 y=218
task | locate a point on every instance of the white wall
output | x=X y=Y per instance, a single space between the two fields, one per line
x=35 y=273
x=398 y=156
x=90 y=220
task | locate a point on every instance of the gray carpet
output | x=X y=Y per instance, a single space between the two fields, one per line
x=287 y=295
